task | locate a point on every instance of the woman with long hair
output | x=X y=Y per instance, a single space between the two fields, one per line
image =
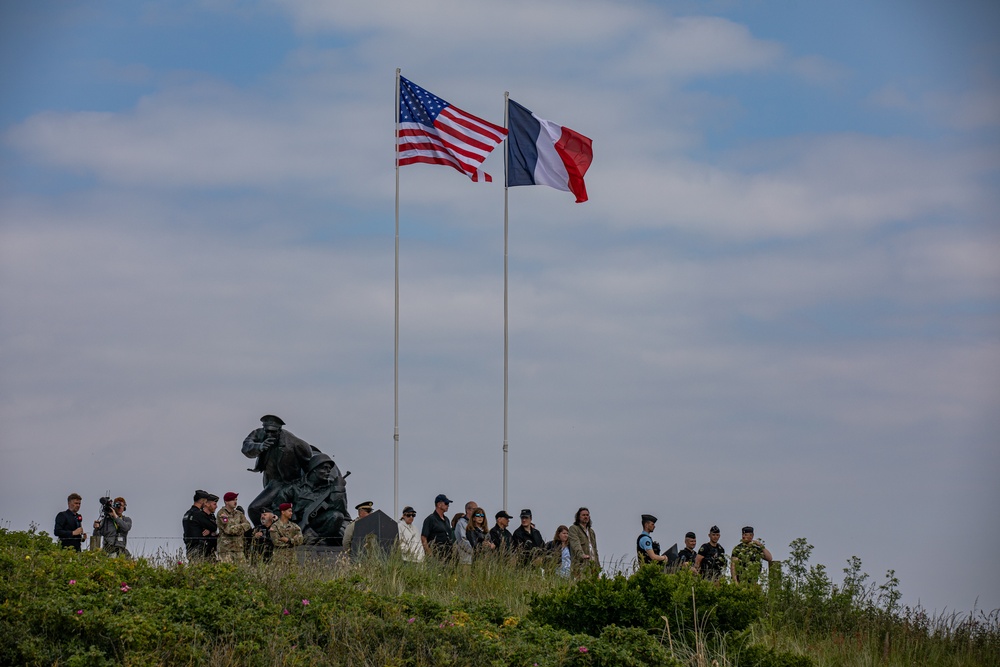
x=478 y=532
x=558 y=550
x=583 y=545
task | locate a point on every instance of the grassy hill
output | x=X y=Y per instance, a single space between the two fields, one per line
x=58 y=607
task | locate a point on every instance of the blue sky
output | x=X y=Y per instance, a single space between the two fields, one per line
x=778 y=308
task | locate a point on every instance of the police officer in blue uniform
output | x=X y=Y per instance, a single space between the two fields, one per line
x=646 y=549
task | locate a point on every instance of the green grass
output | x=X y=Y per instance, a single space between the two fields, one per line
x=59 y=607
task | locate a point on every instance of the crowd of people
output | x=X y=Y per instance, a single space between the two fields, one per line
x=225 y=534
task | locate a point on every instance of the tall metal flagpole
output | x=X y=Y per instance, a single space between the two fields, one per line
x=506 y=95
x=395 y=356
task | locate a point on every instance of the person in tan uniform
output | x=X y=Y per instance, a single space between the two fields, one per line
x=285 y=535
x=233 y=526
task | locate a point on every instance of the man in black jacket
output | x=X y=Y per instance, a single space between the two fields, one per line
x=527 y=540
x=200 y=528
x=499 y=535
x=69 y=524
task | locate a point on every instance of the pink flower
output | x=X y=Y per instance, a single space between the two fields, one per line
x=410 y=620
x=126 y=588
x=583 y=649
x=79 y=612
x=285 y=612
x=305 y=602
x=72 y=581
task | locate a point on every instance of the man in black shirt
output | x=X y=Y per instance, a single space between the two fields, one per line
x=499 y=535
x=527 y=540
x=200 y=528
x=436 y=535
x=69 y=524
x=263 y=548
x=711 y=558
x=686 y=556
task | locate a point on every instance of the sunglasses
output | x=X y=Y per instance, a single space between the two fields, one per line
x=479 y=515
x=410 y=514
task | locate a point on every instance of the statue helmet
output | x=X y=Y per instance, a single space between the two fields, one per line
x=317 y=460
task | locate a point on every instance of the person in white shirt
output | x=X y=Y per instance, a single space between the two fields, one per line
x=409 y=537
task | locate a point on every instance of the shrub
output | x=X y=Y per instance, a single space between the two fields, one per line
x=644 y=598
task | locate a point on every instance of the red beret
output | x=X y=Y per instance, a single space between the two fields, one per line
x=230 y=496
x=284 y=506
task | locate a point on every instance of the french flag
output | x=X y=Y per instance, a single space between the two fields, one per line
x=540 y=152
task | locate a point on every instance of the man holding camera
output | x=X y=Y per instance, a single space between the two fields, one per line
x=113 y=527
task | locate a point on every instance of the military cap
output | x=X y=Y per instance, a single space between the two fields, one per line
x=648 y=517
x=525 y=513
x=366 y=506
x=230 y=495
x=747 y=529
x=284 y=506
x=502 y=513
x=272 y=418
x=441 y=498
x=713 y=529
x=690 y=534
x=200 y=494
x=212 y=498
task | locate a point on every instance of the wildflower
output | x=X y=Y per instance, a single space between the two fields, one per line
x=27 y=558
x=285 y=612
x=79 y=612
x=583 y=649
x=410 y=620
x=125 y=587
x=72 y=582
x=305 y=602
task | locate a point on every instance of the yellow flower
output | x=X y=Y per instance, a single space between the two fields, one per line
x=510 y=622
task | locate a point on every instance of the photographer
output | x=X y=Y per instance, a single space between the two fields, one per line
x=113 y=527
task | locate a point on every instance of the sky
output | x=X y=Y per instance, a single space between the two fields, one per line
x=780 y=307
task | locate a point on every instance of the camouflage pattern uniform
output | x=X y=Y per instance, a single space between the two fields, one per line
x=746 y=561
x=284 y=551
x=232 y=531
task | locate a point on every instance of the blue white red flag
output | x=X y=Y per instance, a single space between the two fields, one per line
x=431 y=131
x=540 y=152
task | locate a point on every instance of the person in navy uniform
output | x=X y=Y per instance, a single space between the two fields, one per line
x=646 y=549
x=69 y=524
x=200 y=528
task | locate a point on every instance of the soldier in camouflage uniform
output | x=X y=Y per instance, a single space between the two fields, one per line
x=233 y=526
x=285 y=535
x=744 y=564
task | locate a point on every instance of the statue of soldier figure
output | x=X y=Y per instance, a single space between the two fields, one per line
x=296 y=472
x=319 y=501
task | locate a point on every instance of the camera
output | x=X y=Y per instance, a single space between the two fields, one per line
x=107 y=505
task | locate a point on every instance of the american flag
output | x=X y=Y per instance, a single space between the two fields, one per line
x=432 y=131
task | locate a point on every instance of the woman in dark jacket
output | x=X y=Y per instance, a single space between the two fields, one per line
x=478 y=532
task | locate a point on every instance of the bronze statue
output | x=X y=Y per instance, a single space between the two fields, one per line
x=296 y=472
x=319 y=501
